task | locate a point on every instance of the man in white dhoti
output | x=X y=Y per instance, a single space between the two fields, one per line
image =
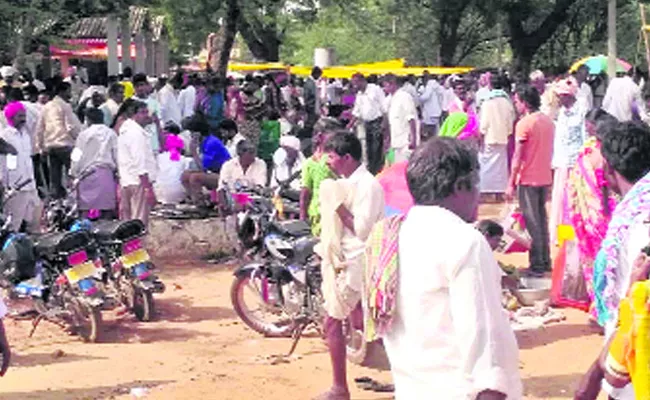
x=497 y=123
x=434 y=292
x=353 y=214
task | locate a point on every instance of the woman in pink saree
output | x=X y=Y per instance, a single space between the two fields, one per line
x=589 y=202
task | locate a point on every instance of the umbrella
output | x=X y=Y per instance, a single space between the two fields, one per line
x=397 y=196
x=598 y=64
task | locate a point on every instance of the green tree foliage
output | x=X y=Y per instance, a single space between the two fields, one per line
x=357 y=33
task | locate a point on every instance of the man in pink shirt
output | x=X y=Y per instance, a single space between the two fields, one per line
x=531 y=173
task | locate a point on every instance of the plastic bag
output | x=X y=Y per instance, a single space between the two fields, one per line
x=515 y=238
x=569 y=288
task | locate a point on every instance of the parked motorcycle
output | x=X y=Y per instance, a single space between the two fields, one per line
x=280 y=295
x=129 y=274
x=125 y=270
x=54 y=271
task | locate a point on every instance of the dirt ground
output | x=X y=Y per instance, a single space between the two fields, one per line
x=197 y=348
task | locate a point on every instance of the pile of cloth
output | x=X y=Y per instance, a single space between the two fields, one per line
x=535 y=317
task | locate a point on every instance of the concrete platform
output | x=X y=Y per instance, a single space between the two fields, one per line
x=192 y=238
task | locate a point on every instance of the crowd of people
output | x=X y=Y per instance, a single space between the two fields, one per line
x=139 y=142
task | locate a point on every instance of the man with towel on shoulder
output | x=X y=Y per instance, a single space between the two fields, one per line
x=350 y=207
x=25 y=205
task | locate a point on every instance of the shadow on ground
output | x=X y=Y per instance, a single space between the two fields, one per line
x=102 y=392
x=185 y=310
x=544 y=387
x=42 y=359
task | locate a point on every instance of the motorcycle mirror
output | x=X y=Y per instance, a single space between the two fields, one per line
x=12 y=162
x=7 y=148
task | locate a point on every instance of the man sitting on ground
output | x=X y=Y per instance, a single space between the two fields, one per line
x=246 y=169
x=213 y=155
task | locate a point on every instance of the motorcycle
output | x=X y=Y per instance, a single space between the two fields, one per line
x=54 y=272
x=128 y=268
x=285 y=279
x=125 y=270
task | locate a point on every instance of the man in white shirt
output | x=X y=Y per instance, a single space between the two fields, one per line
x=112 y=104
x=288 y=160
x=621 y=96
x=187 y=98
x=25 y=206
x=496 y=125
x=245 y=169
x=368 y=110
x=431 y=100
x=402 y=119
x=170 y=109
x=57 y=131
x=143 y=93
x=343 y=150
x=448 y=335
x=585 y=94
x=94 y=162
x=408 y=85
x=136 y=165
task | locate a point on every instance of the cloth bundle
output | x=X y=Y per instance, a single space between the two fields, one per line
x=381 y=278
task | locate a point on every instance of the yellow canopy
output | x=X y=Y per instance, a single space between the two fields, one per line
x=395 y=66
x=255 y=67
x=349 y=71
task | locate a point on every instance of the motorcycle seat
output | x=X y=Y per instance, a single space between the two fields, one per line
x=66 y=242
x=295 y=228
x=118 y=230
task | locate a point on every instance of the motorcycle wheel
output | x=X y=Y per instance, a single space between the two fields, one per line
x=143 y=306
x=86 y=320
x=281 y=328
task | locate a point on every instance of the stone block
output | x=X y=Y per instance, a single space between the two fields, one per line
x=191 y=238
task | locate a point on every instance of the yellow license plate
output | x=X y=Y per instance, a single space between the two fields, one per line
x=135 y=258
x=79 y=272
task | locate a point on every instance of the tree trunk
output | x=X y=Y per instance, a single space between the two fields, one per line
x=262 y=40
x=522 y=62
x=229 y=33
x=24 y=39
x=451 y=14
x=526 y=44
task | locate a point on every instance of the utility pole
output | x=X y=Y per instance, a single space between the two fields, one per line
x=611 y=39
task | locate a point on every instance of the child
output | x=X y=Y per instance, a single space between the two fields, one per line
x=493 y=233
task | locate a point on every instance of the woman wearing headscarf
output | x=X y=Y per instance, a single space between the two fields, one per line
x=570 y=136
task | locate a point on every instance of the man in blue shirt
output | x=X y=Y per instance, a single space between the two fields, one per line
x=213 y=154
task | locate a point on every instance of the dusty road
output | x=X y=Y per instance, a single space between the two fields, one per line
x=198 y=349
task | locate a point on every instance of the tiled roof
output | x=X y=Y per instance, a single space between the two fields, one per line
x=139 y=17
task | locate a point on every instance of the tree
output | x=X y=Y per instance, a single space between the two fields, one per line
x=530 y=25
x=358 y=33
x=229 y=32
